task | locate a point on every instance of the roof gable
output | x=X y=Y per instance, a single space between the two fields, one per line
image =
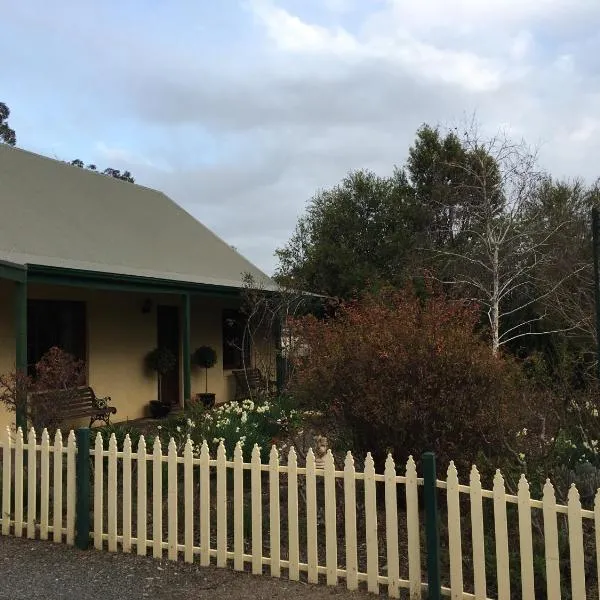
x=58 y=215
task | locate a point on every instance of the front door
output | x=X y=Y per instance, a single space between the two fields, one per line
x=168 y=330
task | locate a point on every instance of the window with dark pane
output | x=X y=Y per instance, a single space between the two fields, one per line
x=52 y=323
x=236 y=346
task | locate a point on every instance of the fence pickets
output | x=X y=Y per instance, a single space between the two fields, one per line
x=218 y=494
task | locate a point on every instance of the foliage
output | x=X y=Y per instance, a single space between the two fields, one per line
x=395 y=372
x=353 y=236
x=161 y=360
x=57 y=370
x=261 y=422
x=205 y=357
x=120 y=430
x=7 y=135
x=110 y=172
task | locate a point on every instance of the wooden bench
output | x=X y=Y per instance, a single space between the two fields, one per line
x=250 y=383
x=79 y=402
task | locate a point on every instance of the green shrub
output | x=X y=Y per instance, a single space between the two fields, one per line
x=261 y=422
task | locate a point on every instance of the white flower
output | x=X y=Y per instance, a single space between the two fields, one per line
x=216 y=440
x=521 y=456
x=191 y=423
x=244 y=417
x=594 y=412
x=178 y=429
x=159 y=427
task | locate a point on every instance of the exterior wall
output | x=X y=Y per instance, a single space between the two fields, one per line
x=119 y=335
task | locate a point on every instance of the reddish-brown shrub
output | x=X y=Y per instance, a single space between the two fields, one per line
x=394 y=372
x=57 y=370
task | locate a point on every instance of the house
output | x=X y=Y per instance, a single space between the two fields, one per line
x=108 y=270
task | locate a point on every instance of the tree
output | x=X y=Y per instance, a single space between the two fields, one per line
x=7 y=135
x=124 y=176
x=356 y=235
x=505 y=240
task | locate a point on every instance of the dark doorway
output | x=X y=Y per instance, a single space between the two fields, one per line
x=168 y=330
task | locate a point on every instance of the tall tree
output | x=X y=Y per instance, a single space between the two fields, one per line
x=7 y=135
x=507 y=237
x=358 y=234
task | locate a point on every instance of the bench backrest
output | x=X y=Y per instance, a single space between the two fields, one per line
x=248 y=381
x=71 y=402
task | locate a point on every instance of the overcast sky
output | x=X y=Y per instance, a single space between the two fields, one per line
x=241 y=110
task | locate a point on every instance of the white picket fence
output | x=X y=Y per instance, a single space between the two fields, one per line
x=205 y=504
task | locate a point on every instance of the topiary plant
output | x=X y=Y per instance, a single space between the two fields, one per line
x=206 y=358
x=161 y=360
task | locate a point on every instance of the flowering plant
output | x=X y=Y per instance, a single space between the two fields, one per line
x=250 y=422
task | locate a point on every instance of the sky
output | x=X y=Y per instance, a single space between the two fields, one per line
x=240 y=110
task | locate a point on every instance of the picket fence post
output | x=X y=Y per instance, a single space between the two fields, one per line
x=432 y=527
x=82 y=474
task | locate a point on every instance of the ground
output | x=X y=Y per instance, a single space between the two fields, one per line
x=35 y=570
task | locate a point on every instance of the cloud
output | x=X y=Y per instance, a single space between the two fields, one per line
x=241 y=112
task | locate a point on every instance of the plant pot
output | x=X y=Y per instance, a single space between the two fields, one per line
x=158 y=410
x=207 y=399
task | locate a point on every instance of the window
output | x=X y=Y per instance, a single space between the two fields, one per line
x=55 y=323
x=236 y=349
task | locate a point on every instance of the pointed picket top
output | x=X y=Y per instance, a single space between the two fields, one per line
x=237 y=452
x=19 y=436
x=58 y=438
x=274 y=456
x=474 y=476
x=390 y=466
x=549 y=490
x=204 y=453
x=369 y=465
x=127 y=444
x=349 y=462
x=256 y=453
x=452 y=474
x=70 y=439
x=31 y=438
x=523 y=486
x=188 y=449
x=498 y=481
x=292 y=460
x=157 y=450
x=99 y=445
x=45 y=437
x=597 y=499
x=411 y=467
x=172 y=447
x=221 y=454
x=310 y=458
x=141 y=449
x=8 y=433
x=328 y=460
x=573 y=495
x=112 y=443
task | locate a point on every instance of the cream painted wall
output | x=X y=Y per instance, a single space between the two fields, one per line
x=119 y=336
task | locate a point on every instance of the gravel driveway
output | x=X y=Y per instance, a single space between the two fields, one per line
x=32 y=570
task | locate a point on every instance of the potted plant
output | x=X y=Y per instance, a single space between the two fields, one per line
x=160 y=360
x=205 y=357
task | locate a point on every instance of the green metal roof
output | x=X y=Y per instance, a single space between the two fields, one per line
x=57 y=215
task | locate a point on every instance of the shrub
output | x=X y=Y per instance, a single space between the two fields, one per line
x=250 y=422
x=407 y=374
x=56 y=370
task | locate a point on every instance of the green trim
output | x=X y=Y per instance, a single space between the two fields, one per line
x=124 y=283
x=187 y=366
x=21 y=344
x=432 y=531
x=82 y=483
x=13 y=272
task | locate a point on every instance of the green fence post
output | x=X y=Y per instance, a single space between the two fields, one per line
x=82 y=507
x=432 y=527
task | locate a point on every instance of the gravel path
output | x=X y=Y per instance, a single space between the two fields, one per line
x=32 y=570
